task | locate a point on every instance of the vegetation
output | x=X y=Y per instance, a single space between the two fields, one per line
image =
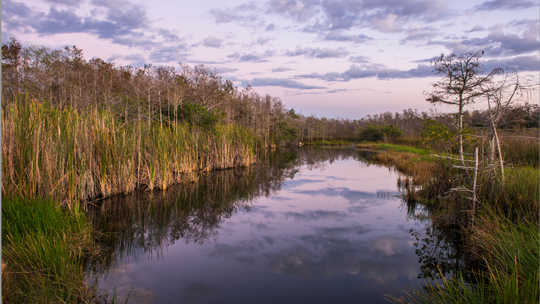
x=71 y=155
x=43 y=248
x=199 y=96
x=77 y=131
x=496 y=210
x=378 y=133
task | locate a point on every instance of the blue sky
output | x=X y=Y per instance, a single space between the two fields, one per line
x=345 y=58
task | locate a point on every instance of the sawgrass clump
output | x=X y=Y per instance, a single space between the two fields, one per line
x=43 y=251
x=71 y=155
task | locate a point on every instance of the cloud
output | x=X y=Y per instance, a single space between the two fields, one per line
x=329 y=251
x=277 y=82
x=299 y=10
x=371 y=70
x=318 y=52
x=330 y=15
x=212 y=41
x=270 y=27
x=384 y=15
x=244 y=14
x=280 y=69
x=353 y=196
x=505 y=5
x=122 y=22
x=334 y=36
x=137 y=60
x=253 y=57
x=168 y=53
x=477 y=28
x=317 y=215
x=340 y=231
x=417 y=33
x=74 y=3
x=359 y=59
x=388 y=24
x=227 y=70
x=263 y=40
x=498 y=43
x=519 y=63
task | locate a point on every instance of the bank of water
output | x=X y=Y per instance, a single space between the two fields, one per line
x=307 y=226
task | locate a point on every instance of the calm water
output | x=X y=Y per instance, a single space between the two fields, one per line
x=310 y=226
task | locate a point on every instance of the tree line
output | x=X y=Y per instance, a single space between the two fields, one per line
x=199 y=96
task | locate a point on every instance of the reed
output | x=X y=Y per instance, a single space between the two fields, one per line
x=43 y=249
x=510 y=252
x=522 y=148
x=70 y=155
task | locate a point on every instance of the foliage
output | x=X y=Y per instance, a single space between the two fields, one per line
x=378 y=133
x=199 y=116
x=435 y=135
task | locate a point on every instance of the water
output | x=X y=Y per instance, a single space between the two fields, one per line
x=307 y=226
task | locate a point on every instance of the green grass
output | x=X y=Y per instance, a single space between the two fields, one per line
x=391 y=147
x=510 y=252
x=43 y=249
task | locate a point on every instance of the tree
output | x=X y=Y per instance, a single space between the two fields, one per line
x=500 y=96
x=461 y=85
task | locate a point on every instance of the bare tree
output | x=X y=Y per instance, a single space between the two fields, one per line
x=500 y=96
x=461 y=85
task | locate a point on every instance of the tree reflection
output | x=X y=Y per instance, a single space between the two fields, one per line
x=439 y=245
x=193 y=211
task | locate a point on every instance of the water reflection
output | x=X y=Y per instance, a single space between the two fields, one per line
x=439 y=245
x=312 y=225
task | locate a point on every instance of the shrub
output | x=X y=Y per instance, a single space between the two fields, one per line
x=378 y=133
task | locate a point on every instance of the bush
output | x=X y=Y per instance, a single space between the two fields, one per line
x=378 y=133
x=436 y=136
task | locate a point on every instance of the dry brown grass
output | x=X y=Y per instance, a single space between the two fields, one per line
x=407 y=163
x=72 y=156
x=6 y=284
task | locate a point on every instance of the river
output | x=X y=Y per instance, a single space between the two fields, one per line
x=314 y=225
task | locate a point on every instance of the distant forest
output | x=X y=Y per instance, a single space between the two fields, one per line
x=198 y=96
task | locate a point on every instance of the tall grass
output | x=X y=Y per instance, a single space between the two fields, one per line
x=510 y=254
x=71 y=155
x=522 y=148
x=42 y=252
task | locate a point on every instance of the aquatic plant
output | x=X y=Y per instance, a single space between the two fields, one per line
x=71 y=155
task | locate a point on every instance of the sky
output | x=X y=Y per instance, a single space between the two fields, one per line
x=330 y=58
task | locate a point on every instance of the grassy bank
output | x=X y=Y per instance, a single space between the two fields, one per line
x=43 y=248
x=502 y=238
x=73 y=155
x=391 y=147
x=510 y=254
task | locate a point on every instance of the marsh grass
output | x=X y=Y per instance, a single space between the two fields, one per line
x=71 y=155
x=413 y=162
x=510 y=254
x=43 y=249
x=392 y=147
x=523 y=150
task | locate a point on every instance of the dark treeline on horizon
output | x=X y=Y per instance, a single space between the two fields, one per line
x=196 y=95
